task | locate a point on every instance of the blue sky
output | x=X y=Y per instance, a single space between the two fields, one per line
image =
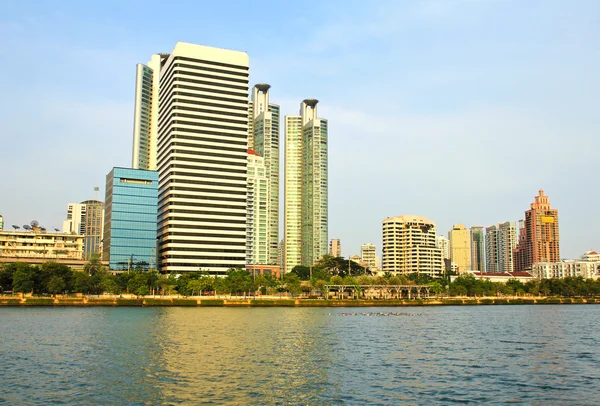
x=458 y=110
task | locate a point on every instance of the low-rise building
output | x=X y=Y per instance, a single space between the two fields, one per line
x=501 y=277
x=40 y=244
x=565 y=268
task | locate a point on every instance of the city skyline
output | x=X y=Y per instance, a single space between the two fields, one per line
x=531 y=101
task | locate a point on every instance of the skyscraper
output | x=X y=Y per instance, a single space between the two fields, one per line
x=199 y=133
x=460 y=247
x=477 y=249
x=257 y=229
x=130 y=219
x=306 y=217
x=539 y=241
x=500 y=241
x=409 y=246
x=263 y=139
x=145 y=114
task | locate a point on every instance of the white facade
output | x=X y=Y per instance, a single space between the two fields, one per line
x=40 y=244
x=145 y=114
x=409 y=246
x=500 y=241
x=86 y=219
x=306 y=185
x=368 y=255
x=257 y=230
x=590 y=256
x=444 y=244
x=202 y=142
x=565 y=268
x=263 y=138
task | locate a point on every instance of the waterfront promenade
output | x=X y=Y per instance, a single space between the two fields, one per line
x=269 y=301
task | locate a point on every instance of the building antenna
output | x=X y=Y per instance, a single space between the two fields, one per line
x=96 y=189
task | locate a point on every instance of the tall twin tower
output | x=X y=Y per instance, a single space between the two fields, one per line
x=217 y=156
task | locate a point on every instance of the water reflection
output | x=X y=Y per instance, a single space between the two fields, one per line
x=487 y=354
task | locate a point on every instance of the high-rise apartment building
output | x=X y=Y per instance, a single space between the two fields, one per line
x=87 y=219
x=1 y=223
x=409 y=245
x=477 y=249
x=444 y=244
x=145 y=114
x=368 y=255
x=540 y=239
x=264 y=140
x=257 y=227
x=306 y=207
x=500 y=241
x=460 y=247
x=335 y=248
x=130 y=219
x=192 y=113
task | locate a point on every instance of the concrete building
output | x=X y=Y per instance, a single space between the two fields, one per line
x=39 y=244
x=409 y=246
x=444 y=244
x=130 y=219
x=499 y=277
x=145 y=114
x=306 y=202
x=199 y=137
x=500 y=241
x=540 y=239
x=335 y=248
x=368 y=255
x=565 y=268
x=460 y=247
x=590 y=256
x=1 y=223
x=86 y=219
x=477 y=249
x=257 y=226
x=264 y=139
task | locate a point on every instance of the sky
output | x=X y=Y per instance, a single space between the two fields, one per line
x=458 y=110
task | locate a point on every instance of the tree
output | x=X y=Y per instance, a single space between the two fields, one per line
x=436 y=288
x=24 y=278
x=94 y=266
x=292 y=283
x=56 y=285
x=82 y=282
x=303 y=272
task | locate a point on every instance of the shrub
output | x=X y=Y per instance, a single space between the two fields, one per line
x=211 y=302
x=129 y=302
x=39 y=302
x=185 y=302
x=157 y=302
x=486 y=301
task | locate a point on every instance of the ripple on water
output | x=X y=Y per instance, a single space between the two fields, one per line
x=442 y=355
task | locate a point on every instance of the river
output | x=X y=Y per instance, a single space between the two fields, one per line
x=542 y=354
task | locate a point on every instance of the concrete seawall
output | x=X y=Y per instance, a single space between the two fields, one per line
x=291 y=302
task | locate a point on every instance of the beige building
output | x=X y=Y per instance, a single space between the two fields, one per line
x=565 y=268
x=41 y=245
x=335 y=248
x=460 y=247
x=368 y=254
x=409 y=246
x=500 y=241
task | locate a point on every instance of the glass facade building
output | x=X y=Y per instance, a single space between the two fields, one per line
x=130 y=219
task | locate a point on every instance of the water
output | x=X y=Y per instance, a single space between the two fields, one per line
x=435 y=355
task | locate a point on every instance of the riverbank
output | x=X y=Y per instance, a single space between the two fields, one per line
x=288 y=302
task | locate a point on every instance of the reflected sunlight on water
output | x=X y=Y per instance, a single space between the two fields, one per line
x=487 y=354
